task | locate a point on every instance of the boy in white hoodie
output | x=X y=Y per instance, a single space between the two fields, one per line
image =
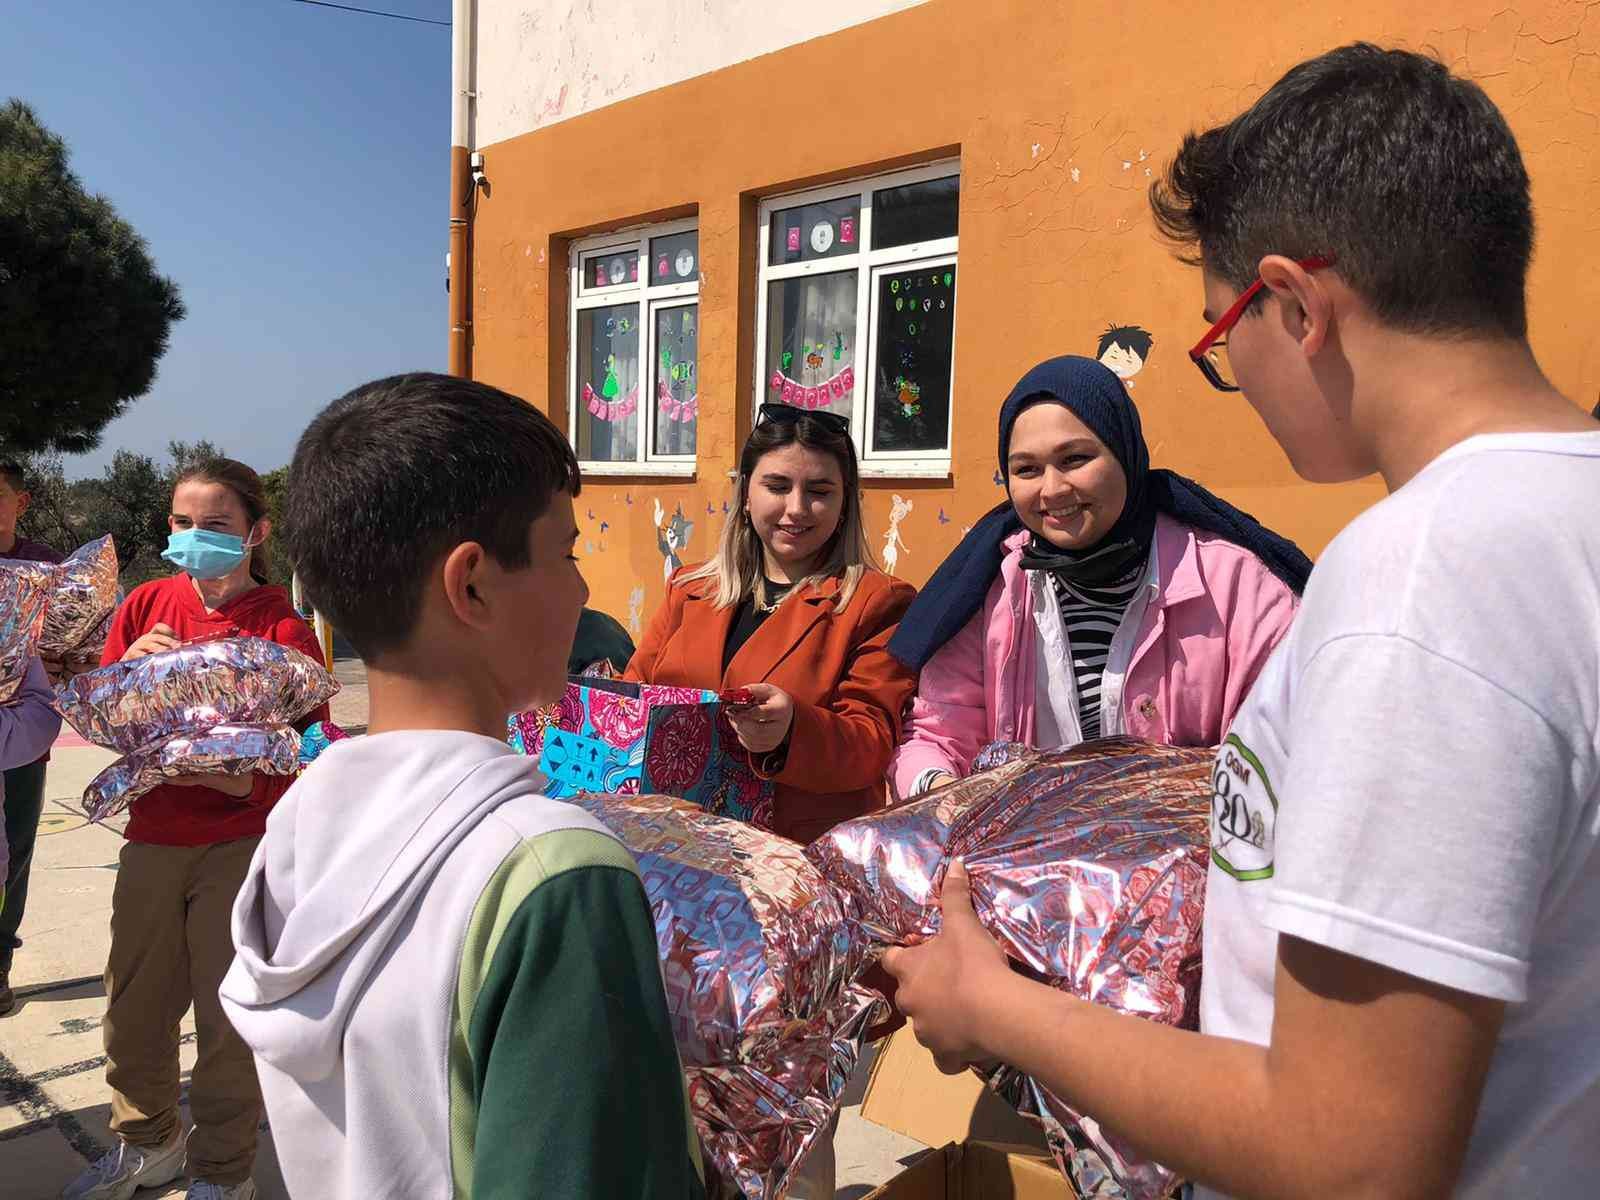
x=449 y=981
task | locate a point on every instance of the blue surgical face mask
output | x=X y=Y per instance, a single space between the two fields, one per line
x=205 y=553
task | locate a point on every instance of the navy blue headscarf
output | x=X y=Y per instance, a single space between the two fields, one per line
x=1097 y=398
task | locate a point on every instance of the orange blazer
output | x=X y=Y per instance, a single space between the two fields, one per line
x=849 y=694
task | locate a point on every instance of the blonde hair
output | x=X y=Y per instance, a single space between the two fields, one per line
x=736 y=568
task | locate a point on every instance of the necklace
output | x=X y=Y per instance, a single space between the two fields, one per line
x=774 y=591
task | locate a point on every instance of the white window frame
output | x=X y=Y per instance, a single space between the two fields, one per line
x=650 y=298
x=868 y=265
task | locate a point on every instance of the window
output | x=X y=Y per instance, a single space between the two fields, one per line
x=857 y=311
x=632 y=374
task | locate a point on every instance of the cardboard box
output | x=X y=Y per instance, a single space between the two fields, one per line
x=910 y=1095
x=978 y=1171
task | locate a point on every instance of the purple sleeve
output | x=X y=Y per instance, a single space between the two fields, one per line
x=28 y=724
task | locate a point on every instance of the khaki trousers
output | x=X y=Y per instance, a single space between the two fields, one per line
x=170 y=946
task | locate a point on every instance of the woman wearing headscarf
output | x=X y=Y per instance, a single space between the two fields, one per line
x=1103 y=598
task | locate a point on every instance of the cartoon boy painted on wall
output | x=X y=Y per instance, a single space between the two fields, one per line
x=1124 y=349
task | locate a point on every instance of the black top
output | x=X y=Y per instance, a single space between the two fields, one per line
x=747 y=618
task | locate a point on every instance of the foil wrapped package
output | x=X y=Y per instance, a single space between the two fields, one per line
x=760 y=977
x=759 y=1120
x=753 y=945
x=1088 y=866
x=83 y=595
x=23 y=596
x=239 y=681
x=214 y=707
x=220 y=750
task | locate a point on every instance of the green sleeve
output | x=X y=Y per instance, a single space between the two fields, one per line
x=576 y=1082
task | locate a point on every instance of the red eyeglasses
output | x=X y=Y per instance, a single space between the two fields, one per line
x=1210 y=353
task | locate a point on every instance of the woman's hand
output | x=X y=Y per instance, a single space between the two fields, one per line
x=763 y=725
x=944 y=982
x=237 y=786
x=160 y=638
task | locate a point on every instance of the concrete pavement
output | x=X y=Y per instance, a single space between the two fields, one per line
x=54 y=1106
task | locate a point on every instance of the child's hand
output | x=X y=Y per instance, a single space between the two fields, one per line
x=764 y=723
x=937 y=781
x=939 y=979
x=160 y=638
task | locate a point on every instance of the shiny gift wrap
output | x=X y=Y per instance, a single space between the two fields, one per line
x=759 y=972
x=1088 y=866
x=752 y=943
x=758 y=1120
x=220 y=750
x=23 y=595
x=83 y=595
x=217 y=707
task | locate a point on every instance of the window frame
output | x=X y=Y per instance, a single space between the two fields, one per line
x=868 y=264
x=581 y=297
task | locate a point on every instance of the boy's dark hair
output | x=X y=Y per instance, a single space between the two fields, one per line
x=1129 y=337
x=395 y=474
x=1407 y=175
x=11 y=471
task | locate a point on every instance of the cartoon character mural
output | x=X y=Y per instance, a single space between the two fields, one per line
x=1124 y=349
x=892 y=542
x=636 y=611
x=672 y=536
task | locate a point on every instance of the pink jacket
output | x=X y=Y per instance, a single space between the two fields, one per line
x=1216 y=618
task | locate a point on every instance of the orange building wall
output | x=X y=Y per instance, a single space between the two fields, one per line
x=1060 y=114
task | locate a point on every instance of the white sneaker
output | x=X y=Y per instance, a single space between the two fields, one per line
x=124 y=1169
x=202 y=1190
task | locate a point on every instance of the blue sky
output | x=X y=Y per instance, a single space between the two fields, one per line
x=288 y=166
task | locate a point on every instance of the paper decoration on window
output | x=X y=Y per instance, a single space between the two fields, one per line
x=600 y=277
x=829 y=391
x=822 y=237
x=793 y=244
x=684 y=263
x=611 y=410
x=847 y=231
x=908 y=397
x=814 y=359
x=661 y=267
x=674 y=409
x=619 y=270
x=838 y=346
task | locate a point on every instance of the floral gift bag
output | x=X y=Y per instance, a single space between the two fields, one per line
x=625 y=738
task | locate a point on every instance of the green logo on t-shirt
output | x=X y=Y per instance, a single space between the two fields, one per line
x=1244 y=813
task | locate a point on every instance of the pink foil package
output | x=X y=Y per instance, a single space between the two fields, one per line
x=1088 y=866
x=23 y=597
x=216 y=707
x=759 y=970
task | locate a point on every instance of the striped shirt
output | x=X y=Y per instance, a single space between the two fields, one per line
x=1091 y=616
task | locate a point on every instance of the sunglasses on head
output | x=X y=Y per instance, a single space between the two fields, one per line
x=789 y=414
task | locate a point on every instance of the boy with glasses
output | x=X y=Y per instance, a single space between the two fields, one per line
x=1400 y=959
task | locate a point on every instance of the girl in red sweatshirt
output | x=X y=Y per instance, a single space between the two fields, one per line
x=188 y=845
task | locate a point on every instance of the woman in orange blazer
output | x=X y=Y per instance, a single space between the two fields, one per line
x=792 y=609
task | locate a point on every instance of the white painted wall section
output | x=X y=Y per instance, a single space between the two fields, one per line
x=543 y=62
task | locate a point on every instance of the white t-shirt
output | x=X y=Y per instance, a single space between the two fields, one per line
x=1415 y=779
